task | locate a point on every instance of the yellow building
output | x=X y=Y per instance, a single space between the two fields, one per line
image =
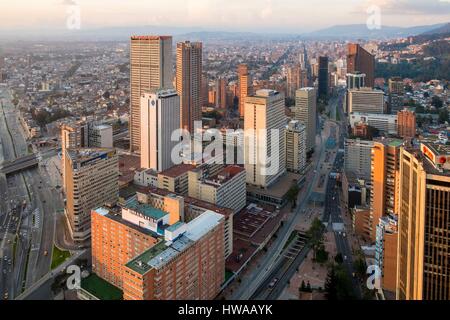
x=424 y=223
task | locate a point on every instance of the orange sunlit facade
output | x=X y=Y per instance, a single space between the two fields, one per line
x=114 y=243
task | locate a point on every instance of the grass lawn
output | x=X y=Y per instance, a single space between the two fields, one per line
x=100 y=288
x=58 y=257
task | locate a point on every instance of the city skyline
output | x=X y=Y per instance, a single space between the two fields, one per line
x=270 y=16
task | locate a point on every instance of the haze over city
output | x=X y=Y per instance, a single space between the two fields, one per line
x=263 y=16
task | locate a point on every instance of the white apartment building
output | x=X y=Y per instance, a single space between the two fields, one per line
x=160 y=117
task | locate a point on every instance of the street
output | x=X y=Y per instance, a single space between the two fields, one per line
x=27 y=210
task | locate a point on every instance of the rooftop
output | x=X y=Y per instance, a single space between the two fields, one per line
x=163 y=252
x=225 y=175
x=146 y=210
x=100 y=288
x=177 y=170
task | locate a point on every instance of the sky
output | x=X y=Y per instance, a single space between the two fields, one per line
x=224 y=15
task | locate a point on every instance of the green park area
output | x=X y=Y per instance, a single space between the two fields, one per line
x=58 y=257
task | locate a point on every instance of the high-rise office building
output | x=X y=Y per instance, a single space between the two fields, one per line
x=160 y=114
x=384 y=176
x=91 y=180
x=84 y=134
x=150 y=68
x=358 y=157
x=359 y=60
x=295 y=137
x=396 y=94
x=396 y=85
x=305 y=111
x=189 y=83
x=264 y=124
x=406 y=122
x=245 y=86
x=296 y=78
x=365 y=100
x=221 y=93
x=323 y=78
x=424 y=223
x=386 y=251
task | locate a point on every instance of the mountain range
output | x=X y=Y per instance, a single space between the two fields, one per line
x=340 y=32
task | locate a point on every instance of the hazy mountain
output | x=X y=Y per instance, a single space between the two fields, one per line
x=440 y=30
x=344 y=32
x=360 y=31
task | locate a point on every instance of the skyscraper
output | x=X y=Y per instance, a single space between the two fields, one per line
x=160 y=114
x=323 y=78
x=295 y=79
x=359 y=60
x=244 y=86
x=221 y=93
x=150 y=68
x=92 y=180
x=406 y=123
x=305 y=111
x=264 y=150
x=385 y=166
x=189 y=83
x=84 y=134
x=424 y=223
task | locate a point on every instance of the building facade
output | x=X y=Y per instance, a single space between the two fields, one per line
x=264 y=145
x=295 y=137
x=160 y=114
x=189 y=83
x=92 y=179
x=305 y=111
x=150 y=68
x=424 y=220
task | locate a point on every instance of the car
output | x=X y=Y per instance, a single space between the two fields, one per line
x=45 y=253
x=272 y=283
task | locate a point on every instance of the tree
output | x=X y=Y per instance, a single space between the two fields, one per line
x=292 y=195
x=338 y=258
x=437 y=102
x=315 y=235
x=360 y=267
x=322 y=254
x=443 y=115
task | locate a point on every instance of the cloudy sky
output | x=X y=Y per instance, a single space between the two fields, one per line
x=243 y=15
